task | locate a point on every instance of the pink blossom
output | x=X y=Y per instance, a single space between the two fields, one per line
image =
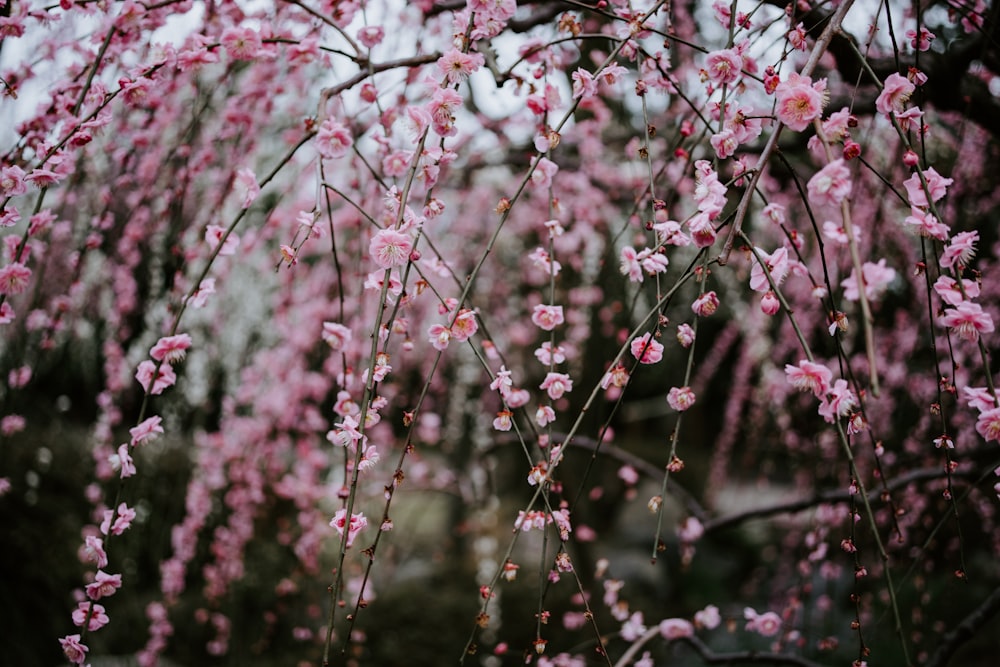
x=920 y=41
x=947 y=288
x=894 y=95
x=439 y=336
x=547 y=318
x=767 y=624
x=12 y=181
x=14 y=278
x=543 y=172
x=961 y=250
x=12 y=424
x=443 y=106
x=502 y=383
x=706 y=304
x=646 y=349
x=556 y=385
x=371 y=35
x=98 y=617
x=123 y=519
x=629 y=264
x=584 y=84
x=831 y=184
x=680 y=398
x=503 y=421
x=93 y=551
x=675 y=628
x=988 y=424
x=357 y=524
x=214 y=235
x=685 y=335
x=336 y=335
x=457 y=66
x=247 y=187
x=838 y=402
x=968 y=321
x=979 y=398
x=333 y=140
x=777 y=265
x=545 y=415
x=124 y=461
x=724 y=67
x=633 y=628
x=171 y=349
x=549 y=355
x=877 y=278
x=927 y=225
x=937 y=185
x=390 y=247
x=104 y=584
x=241 y=43
x=74 y=651
x=769 y=303
x=799 y=101
x=164 y=376
x=708 y=617
x=200 y=296
x=809 y=376
x=465 y=325
x=19 y=377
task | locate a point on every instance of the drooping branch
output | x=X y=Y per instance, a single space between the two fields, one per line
x=965 y=630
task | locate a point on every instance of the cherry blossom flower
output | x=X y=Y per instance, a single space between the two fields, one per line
x=675 y=628
x=769 y=303
x=465 y=325
x=894 y=95
x=247 y=187
x=549 y=355
x=979 y=398
x=685 y=335
x=241 y=43
x=123 y=462
x=357 y=524
x=988 y=424
x=503 y=421
x=831 y=184
x=947 y=288
x=547 y=318
x=543 y=173
x=333 y=139
x=584 y=84
x=214 y=235
x=706 y=304
x=74 y=651
x=961 y=250
x=838 y=402
x=633 y=628
x=877 y=278
x=444 y=102
x=920 y=41
x=767 y=624
x=545 y=415
x=337 y=336
x=708 y=618
x=800 y=101
x=502 y=383
x=12 y=181
x=104 y=584
x=98 y=617
x=93 y=551
x=937 y=185
x=171 y=349
x=123 y=519
x=371 y=35
x=390 y=247
x=200 y=296
x=809 y=376
x=556 y=384
x=777 y=265
x=439 y=336
x=617 y=376
x=968 y=321
x=457 y=66
x=647 y=350
x=14 y=278
x=680 y=398
x=164 y=376
x=927 y=225
x=724 y=66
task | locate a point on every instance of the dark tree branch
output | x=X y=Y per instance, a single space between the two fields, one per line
x=965 y=630
x=710 y=657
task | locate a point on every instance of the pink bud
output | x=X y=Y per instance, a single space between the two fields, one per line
x=769 y=303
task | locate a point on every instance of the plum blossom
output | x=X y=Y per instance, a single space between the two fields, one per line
x=93 y=551
x=104 y=584
x=503 y=421
x=390 y=247
x=457 y=66
x=556 y=385
x=547 y=318
x=98 y=618
x=74 y=651
x=831 y=184
x=439 y=337
x=988 y=424
x=14 y=278
x=171 y=349
x=809 y=376
x=357 y=524
x=247 y=187
x=214 y=235
x=12 y=181
x=685 y=335
x=724 y=66
x=155 y=377
x=584 y=84
x=937 y=186
x=968 y=320
x=545 y=415
x=543 y=173
x=680 y=398
x=961 y=250
x=706 y=304
x=337 y=336
x=927 y=225
x=800 y=101
x=647 y=350
x=920 y=41
x=333 y=140
x=633 y=627
x=894 y=95
x=838 y=402
x=947 y=288
x=123 y=519
x=444 y=102
x=708 y=618
x=767 y=624
x=549 y=355
x=877 y=278
x=124 y=461
x=241 y=43
x=675 y=628
x=777 y=265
